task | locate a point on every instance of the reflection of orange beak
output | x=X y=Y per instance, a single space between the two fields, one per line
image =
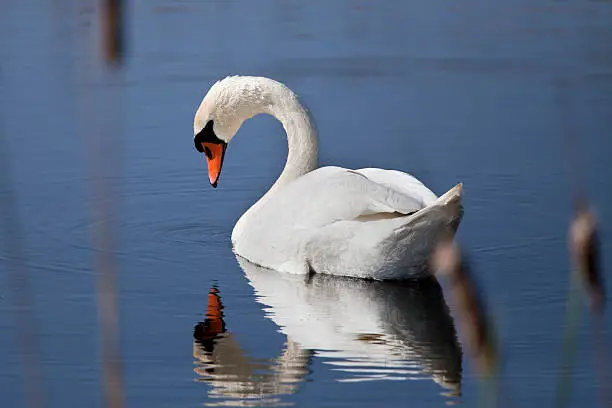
x=214 y=312
x=213 y=326
x=214 y=155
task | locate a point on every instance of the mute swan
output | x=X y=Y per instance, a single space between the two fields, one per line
x=367 y=223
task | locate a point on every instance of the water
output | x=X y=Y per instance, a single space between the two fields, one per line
x=449 y=92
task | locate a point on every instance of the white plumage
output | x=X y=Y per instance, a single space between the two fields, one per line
x=368 y=223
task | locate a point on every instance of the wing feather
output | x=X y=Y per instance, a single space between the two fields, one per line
x=331 y=194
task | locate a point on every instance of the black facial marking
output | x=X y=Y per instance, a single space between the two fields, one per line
x=206 y=135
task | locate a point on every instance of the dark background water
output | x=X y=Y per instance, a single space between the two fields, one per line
x=473 y=92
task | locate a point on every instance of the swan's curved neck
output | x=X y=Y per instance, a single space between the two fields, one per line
x=245 y=97
x=263 y=95
x=302 y=156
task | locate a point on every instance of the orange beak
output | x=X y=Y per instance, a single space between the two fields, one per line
x=214 y=155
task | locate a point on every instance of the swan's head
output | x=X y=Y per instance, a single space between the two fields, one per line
x=208 y=142
x=225 y=107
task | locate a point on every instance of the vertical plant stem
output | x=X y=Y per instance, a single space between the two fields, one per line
x=570 y=343
x=104 y=153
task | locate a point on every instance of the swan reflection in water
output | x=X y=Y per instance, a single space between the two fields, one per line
x=363 y=330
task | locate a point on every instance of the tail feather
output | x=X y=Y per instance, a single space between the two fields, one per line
x=452 y=195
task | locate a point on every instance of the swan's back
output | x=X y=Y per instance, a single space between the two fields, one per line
x=358 y=223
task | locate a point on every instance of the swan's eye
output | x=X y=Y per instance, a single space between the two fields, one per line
x=208 y=153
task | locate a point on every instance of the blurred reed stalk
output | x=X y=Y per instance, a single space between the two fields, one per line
x=583 y=246
x=104 y=153
x=113 y=41
x=474 y=325
x=583 y=243
x=20 y=292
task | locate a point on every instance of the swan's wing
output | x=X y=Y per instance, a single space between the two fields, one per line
x=332 y=194
x=326 y=213
x=402 y=182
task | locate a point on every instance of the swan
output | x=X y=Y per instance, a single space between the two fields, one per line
x=366 y=223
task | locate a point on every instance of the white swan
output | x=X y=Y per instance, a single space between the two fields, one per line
x=368 y=223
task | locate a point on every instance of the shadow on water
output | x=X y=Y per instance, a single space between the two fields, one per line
x=362 y=330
